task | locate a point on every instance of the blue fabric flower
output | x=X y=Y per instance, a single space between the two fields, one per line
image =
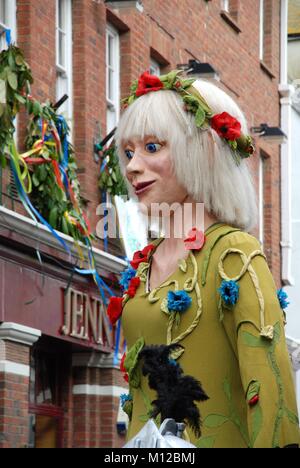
x=282 y=297
x=124 y=398
x=178 y=301
x=229 y=291
x=126 y=276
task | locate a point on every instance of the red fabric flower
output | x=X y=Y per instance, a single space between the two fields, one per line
x=147 y=83
x=141 y=256
x=226 y=126
x=195 y=240
x=133 y=285
x=253 y=400
x=122 y=368
x=114 y=309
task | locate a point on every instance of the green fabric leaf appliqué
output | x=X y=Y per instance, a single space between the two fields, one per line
x=257 y=422
x=253 y=389
x=254 y=341
x=206 y=442
x=215 y=420
x=131 y=362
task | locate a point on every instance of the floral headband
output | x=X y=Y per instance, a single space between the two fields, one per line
x=226 y=126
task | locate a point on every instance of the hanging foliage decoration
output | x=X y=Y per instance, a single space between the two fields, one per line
x=111 y=179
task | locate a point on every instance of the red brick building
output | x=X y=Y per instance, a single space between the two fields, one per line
x=58 y=384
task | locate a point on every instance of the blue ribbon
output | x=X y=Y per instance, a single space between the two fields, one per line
x=25 y=198
x=8 y=36
x=117 y=344
x=62 y=129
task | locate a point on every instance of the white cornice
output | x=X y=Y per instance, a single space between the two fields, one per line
x=36 y=231
x=19 y=333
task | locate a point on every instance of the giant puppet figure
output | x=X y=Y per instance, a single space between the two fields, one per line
x=182 y=142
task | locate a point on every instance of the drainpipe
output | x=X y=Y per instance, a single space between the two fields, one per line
x=285 y=91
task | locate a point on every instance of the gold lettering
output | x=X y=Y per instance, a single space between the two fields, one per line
x=77 y=315
x=65 y=329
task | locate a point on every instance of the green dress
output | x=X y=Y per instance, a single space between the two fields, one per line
x=236 y=349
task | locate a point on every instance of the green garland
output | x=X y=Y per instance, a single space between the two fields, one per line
x=111 y=179
x=47 y=196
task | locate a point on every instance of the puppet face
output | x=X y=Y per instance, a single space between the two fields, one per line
x=150 y=172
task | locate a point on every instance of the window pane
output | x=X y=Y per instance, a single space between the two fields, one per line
x=61 y=48
x=110 y=84
x=60 y=14
x=110 y=51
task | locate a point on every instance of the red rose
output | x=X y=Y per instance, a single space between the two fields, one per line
x=147 y=83
x=122 y=368
x=141 y=256
x=253 y=400
x=226 y=126
x=133 y=285
x=114 y=309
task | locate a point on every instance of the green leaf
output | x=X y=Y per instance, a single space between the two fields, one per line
x=253 y=389
x=200 y=117
x=257 y=420
x=35 y=180
x=64 y=226
x=215 y=420
x=53 y=217
x=12 y=80
x=19 y=98
x=19 y=60
x=206 y=442
x=36 y=109
x=254 y=341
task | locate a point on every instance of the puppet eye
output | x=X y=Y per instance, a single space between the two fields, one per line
x=152 y=147
x=129 y=154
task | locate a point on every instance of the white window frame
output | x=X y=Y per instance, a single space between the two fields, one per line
x=113 y=102
x=10 y=23
x=64 y=72
x=261 y=29
x=261 y=199
x=154 y=67
x=226 y=6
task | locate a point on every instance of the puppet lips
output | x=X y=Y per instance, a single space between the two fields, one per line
x=139 y=188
